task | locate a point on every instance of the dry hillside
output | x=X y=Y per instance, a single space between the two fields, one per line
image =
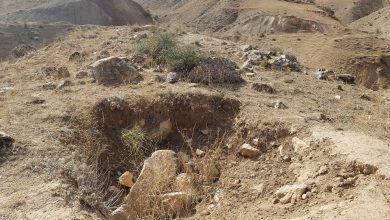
x=84 y=12
x=268 y=109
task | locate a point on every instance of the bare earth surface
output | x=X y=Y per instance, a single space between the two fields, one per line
x=328 y=137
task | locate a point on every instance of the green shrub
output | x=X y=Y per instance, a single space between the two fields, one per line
x=163 y=49
x=265 y=64
x=134 y=140
x=158 y=47
x=184 y=59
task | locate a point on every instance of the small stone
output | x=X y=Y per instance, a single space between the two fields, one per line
x=127 y=179
x=205 y=131
x=199 y=153
x=248 y=151
x=246 y=48
x=304 y=196
x=205 y=212
x=286 y=158
x=365 y=97
x=282 y=150
x=64 y=83
x=250 y=74
x=218 y=196
x=291 y=193
x=338 y=97
x=172 y=77
x=229 y=146
x=323 y=170
x=280 y=105
x=298 y=144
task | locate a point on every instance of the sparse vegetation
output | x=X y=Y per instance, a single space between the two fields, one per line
x=134 y=140
x=163 y=49
x=158 y=47
x=184 y=59
x=265 y=64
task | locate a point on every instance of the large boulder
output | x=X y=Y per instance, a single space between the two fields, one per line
x=215 y=70
x=115 y=71
x=157 y=175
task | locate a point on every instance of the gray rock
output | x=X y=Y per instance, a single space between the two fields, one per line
x=323 y=170
x=199 y=153
x=172 y=77
x=114 y=71
x=286 y=62
x=64 y=83
x=246 y=48
x=324 y=74
x=246 y=150
x=298 y=145
x=291 y=193
x=280 y=105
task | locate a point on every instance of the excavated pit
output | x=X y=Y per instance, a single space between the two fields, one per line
x=180 y=122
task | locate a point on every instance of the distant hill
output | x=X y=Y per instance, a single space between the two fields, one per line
x=98 y=12
x=378 y=23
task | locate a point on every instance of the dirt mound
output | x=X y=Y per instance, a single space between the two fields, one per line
x=96 y=12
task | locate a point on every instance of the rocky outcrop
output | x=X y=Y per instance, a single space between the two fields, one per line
x=286 y=62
